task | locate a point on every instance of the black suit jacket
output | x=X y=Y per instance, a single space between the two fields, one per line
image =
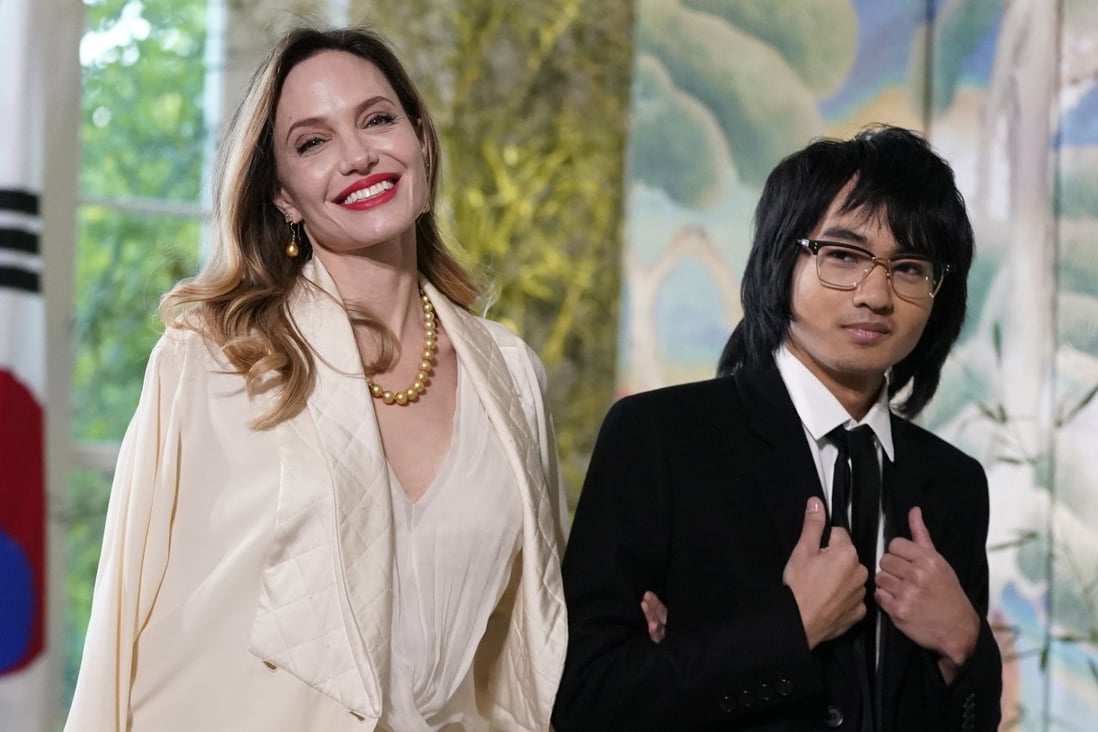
x=698 y=492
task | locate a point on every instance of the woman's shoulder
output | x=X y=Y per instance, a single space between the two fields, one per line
x=510 y=341
x=502 y=334
x=188 y=349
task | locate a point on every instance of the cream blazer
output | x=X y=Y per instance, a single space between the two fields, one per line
x=246 y=577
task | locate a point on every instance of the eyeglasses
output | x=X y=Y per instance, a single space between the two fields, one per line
x=845 y=266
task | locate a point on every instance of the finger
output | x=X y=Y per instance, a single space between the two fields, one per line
x=919 y=533
x=895 y=565
x=813 y=528
x=653 y=605
x=840 y=536
x=907 y=550
x=889 y=583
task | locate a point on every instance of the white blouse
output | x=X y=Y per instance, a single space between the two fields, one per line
x=454 y=551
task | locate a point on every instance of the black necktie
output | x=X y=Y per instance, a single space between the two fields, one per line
x=857 y=482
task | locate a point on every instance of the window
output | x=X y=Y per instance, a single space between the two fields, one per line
x=144 y=143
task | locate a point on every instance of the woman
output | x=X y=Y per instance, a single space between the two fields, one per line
x=337 y=505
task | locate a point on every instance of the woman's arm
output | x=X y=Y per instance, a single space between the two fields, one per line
x=135 y=549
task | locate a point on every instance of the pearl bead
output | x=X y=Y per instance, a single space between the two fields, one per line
x=430 y=345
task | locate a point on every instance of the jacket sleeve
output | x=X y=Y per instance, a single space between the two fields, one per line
x=622 y=537
x=134 y=552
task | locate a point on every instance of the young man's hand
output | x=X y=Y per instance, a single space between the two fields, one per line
x=828 y=583
x=655 y=616
x=923 y=597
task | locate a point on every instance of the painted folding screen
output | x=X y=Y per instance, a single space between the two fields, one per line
x=1008 y=92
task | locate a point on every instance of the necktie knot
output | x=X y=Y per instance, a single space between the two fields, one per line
x=857 y=440
x=856 y=479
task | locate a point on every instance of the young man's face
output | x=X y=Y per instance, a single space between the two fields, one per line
x=850 y=338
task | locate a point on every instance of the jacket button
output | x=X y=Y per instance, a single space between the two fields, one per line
x=728 y=705
x=746 y=699
x=765 y=693
x=784 y=687
x=834 y=717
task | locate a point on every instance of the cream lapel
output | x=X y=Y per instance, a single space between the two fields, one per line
x=325 y=607
x=538 y=627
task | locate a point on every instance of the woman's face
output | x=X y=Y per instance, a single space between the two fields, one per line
x=350 y=163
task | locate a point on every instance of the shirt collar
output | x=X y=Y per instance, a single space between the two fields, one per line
x=821 y=412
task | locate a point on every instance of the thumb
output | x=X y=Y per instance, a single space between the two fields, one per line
x=814 y=521
x=919 y=533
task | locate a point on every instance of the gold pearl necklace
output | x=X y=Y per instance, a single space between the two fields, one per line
x=405 y=397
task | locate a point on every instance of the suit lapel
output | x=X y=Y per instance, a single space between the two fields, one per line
x=907 y=483
x=779 y=458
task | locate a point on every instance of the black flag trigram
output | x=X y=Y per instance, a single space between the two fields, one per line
x=20 y=258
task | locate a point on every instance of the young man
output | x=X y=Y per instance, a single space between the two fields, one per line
x=805 y=589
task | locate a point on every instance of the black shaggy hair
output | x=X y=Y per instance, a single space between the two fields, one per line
x=895 y=172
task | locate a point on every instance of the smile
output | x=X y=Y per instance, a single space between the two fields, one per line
x=368 y=193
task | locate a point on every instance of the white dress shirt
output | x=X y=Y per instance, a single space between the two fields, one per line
x=821 y=412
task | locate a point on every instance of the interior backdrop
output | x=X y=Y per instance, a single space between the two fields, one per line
x=1006 y=90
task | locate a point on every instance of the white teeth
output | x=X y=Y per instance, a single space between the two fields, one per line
x=363 y=193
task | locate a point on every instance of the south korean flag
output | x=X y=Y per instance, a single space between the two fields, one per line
x=24 y=702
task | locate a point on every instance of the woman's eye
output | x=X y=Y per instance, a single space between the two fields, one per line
x=308 y=144
x=381 y=118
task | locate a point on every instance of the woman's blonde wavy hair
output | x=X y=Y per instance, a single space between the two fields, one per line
x=240 y=297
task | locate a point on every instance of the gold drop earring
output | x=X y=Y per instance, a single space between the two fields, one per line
x=292 y=249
